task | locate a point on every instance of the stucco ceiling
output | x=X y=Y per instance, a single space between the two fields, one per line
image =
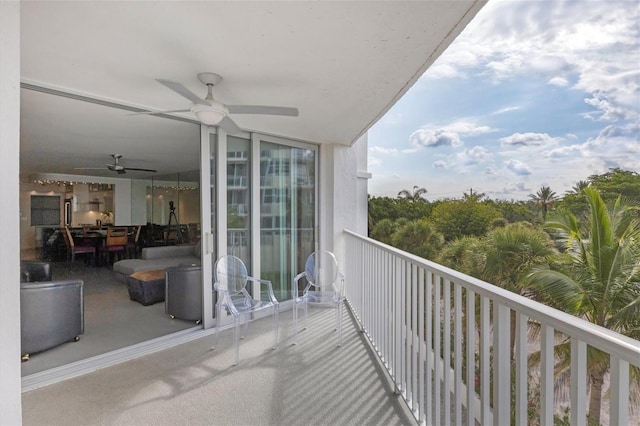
x=342 y=64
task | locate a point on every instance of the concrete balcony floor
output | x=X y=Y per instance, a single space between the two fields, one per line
x=313 y=382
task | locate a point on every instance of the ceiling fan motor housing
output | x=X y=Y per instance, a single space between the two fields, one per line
x=210 y=115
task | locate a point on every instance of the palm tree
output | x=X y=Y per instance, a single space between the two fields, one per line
x=578 y=187
x=509 y=254
x=544 y=198
x=416 y=195
x=418 y=237
x=473 y=197
x=602 y=280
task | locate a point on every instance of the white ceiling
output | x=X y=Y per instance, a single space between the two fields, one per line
x=342 y=64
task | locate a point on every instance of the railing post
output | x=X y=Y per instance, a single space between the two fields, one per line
x=421 y=345
x=521 y=370
x=619 y=406
x=546 y=375
x=446 y=352
x=429 y=345
x=485 y=371
x=502 y=365
x=578 y=382
x=415 y=337
x=471 y=357
x=437 y=359
x=397 y=319
x=457 y=353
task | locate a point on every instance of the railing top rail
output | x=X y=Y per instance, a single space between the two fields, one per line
x=602 y=338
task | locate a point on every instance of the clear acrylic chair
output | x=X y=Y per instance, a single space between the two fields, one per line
x=231 y=279
x=325 y=286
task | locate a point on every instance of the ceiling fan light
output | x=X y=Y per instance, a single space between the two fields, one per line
x=209 y=115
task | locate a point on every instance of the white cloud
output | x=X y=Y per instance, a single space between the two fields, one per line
x=613 y=147
x=468 y=128
x=518 y=167
x=563 y=152
x=597 y=42
x=447 y=135
x=434 y=138
x=383 y=150
x=505 y=110
x=606 y=110
x=475 y=155
x=373 y=161
x=558 y=81
x=441 y=71
x=581 y=50
x=528 y=139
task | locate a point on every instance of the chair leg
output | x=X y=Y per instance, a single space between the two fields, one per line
x=295 y=321
x=276 y=325
x=218 y=321
x=339 y=322
x=236 y=340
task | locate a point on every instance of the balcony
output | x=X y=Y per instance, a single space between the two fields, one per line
x=414 y=311
x=404 y=313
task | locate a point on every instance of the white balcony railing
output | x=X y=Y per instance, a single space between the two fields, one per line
x=413 y=310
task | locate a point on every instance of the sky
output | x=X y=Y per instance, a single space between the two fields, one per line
x=530 y=94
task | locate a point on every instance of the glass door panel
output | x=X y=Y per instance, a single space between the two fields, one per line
x=287 y=213
x=239 y=199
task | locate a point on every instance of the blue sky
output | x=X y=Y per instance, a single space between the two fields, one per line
x=531 y=93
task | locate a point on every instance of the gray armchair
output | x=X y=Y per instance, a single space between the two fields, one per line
x=32 y=270
x=51 y=313
x=183 y=293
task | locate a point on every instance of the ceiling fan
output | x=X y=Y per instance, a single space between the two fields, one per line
x=116 y=166
x=214 y=113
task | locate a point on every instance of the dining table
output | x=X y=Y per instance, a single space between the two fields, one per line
x=95 y=238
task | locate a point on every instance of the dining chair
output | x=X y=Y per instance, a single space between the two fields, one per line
x=132 y=243
x=115 y=243
x=231 y=279
x=325 y=286
x=73 y=249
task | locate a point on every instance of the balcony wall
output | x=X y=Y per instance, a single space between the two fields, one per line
x=414 y=311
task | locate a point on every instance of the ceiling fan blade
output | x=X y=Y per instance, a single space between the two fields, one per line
x=262 y=109
x=159 y=112
x=140 y=170
x=181 y=90
x=88 y=168
x=229 y=126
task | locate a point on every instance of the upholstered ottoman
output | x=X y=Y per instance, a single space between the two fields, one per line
x=147 y=287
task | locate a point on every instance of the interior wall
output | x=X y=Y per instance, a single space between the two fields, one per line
x=139 y=201
x=10 y=396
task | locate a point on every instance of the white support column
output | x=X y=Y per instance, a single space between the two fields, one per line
x=10 y=397
x=343 y=194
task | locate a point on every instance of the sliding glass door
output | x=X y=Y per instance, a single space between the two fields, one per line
x=287 y=212
x=239 y=198
x=260 y=202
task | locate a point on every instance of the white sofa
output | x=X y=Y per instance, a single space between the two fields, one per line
x=158 y=258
